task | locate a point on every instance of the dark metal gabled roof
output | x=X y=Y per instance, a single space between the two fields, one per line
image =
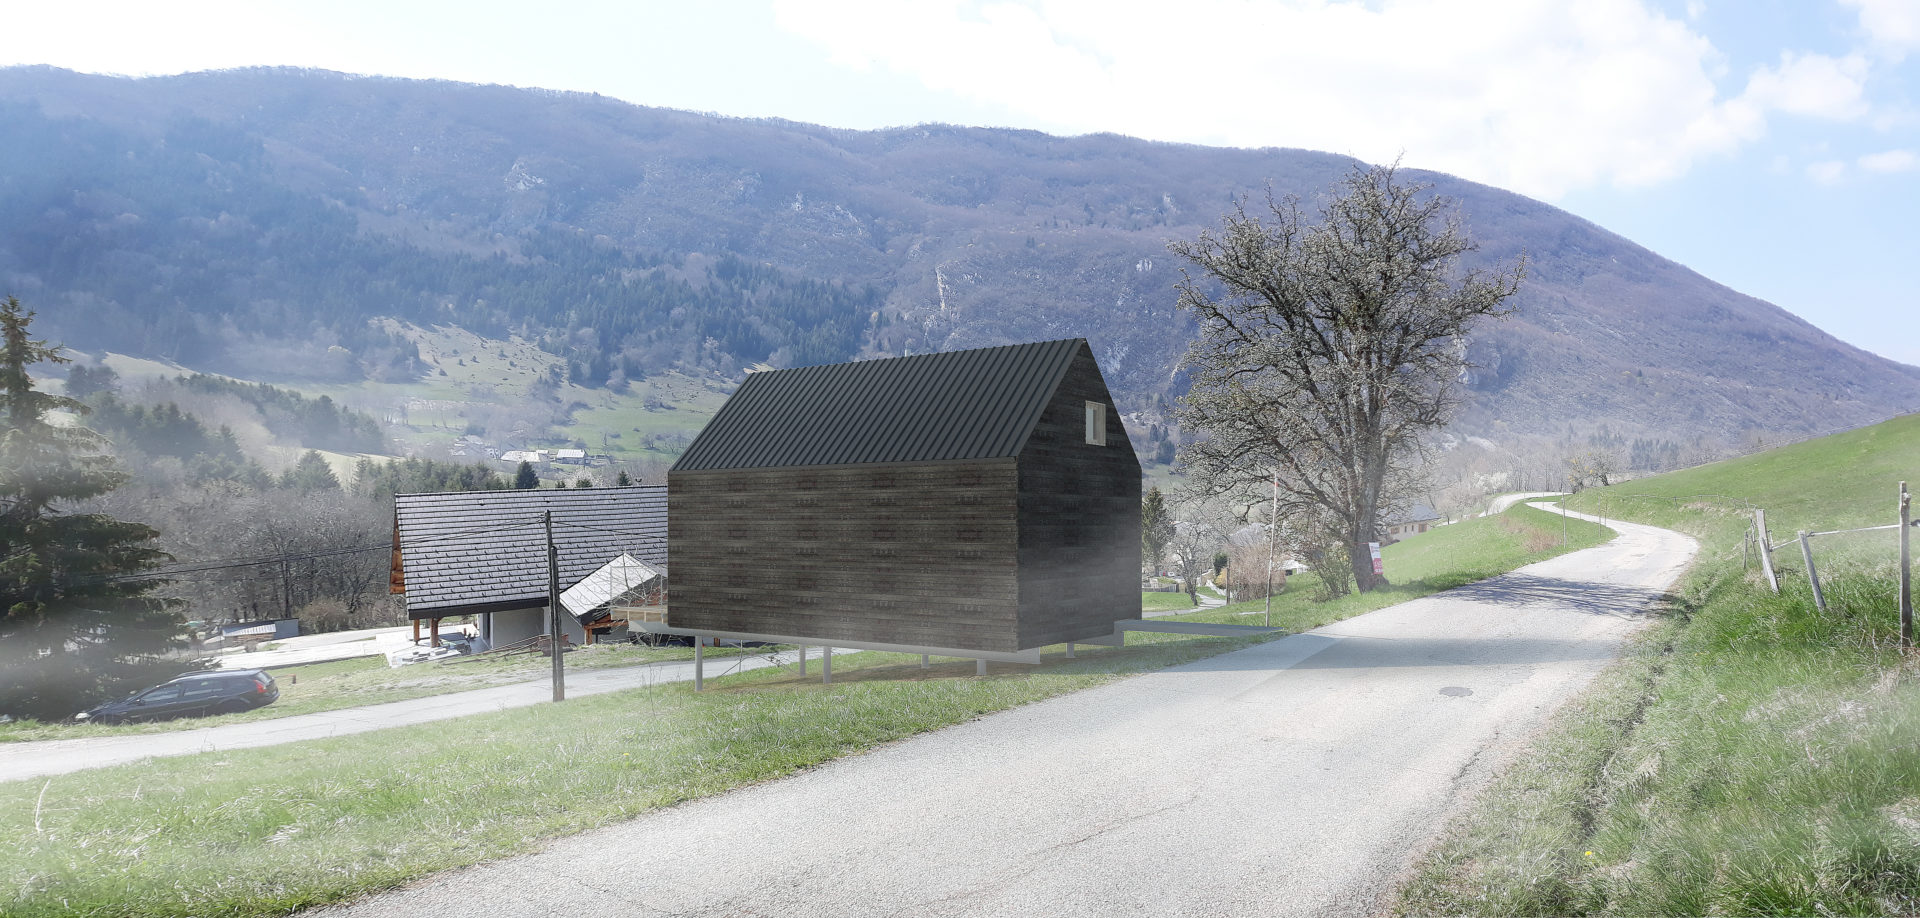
x=974 y=404
x=486 y=551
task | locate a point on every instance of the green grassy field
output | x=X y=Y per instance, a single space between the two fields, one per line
x=265 y=831
x=1751 y=756
x=469 y=376
x=468 y=381
x=1435 y=560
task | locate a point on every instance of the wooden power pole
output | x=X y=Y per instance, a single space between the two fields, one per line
x=555 y=633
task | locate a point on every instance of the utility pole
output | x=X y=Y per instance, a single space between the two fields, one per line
x=1273 y=535
x=554 y=632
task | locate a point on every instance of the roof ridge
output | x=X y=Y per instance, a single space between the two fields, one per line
x=973 y=403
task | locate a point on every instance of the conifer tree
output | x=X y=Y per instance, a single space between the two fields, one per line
x=77 y=621
x=526 y=478
x=1156 y=526
x=311 y=473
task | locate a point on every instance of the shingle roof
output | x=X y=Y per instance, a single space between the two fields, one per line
x=974 y=404
x=486 y=551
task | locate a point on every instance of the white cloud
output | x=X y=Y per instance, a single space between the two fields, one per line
x=1827 y=172
x=1814 y=85
x=1892 y=26
x=1540 y=96
x=1890 y=161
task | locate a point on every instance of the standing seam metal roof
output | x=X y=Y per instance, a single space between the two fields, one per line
x=973 y=404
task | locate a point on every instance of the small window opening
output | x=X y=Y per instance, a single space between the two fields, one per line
x=1097 y=423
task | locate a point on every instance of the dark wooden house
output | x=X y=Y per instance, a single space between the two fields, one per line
x=983 y=501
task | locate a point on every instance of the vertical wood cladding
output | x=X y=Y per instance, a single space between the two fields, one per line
x=906 y=553
x=1079 y=552
x=996 y=552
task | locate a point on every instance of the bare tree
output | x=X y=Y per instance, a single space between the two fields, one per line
x=1595 y=466
x=1198 y=533
x=1327 y=349
x=1255 y=563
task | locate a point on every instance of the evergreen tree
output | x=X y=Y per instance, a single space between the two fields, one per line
x=77 y=623
x=83 y=382
x=623 y=480
x=311 y=473
x=1156 y=526
x=525 y=477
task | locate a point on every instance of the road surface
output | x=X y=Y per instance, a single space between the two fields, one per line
x=58 y=757
x=1505 y=501
x=1297 y=777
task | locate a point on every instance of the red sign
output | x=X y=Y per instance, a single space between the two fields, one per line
x=1379 y=568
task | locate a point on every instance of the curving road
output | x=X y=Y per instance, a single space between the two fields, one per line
x=1297 y=777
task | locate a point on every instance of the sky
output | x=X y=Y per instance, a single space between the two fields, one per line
x=1771 y=145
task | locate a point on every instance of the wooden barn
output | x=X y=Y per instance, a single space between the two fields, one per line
x=984 y=502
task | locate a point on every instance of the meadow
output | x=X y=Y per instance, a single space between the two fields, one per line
x=1751 y=755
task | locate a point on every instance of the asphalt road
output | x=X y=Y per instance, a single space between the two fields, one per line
x=1294 y=778
x=58 y=757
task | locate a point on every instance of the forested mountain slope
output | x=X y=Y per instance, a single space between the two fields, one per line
x=252 y=222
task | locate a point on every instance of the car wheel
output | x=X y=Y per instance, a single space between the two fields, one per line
x=230 y=707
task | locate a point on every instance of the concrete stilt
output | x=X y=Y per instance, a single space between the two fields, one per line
x=1069 y=650
x=980 y=669
x=826 y=666
x=803 y=659
x=699 y=663
x=923 y=661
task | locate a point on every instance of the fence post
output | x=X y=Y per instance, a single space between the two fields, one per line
x=1906 y=568
x=1766 y=549
x=1806 y=553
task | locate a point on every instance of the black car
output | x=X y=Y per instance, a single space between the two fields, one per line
x=191 y=695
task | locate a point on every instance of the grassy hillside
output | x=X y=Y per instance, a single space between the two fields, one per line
x=1435 y=560
x=273 y=829
x=504 y=392
x=1752 y=755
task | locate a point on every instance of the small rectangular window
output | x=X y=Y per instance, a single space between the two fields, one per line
x=1097 y=423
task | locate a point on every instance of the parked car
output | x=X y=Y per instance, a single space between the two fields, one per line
x=191 y=695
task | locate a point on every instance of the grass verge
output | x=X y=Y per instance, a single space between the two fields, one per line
x=315 y=687
x=1439 y=559
x=270 y=830
x=1751 y=755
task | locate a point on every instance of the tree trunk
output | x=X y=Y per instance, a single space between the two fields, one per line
x=1362 y=559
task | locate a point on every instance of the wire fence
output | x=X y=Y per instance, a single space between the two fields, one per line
x=1901 y=527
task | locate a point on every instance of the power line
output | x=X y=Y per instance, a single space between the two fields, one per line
x=173 y=572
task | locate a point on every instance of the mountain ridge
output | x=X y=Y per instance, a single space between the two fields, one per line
x=960 y=237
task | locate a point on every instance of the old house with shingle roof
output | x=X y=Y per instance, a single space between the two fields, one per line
x=485 y=552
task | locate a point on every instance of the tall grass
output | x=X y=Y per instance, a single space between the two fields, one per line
x=1751 y=756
